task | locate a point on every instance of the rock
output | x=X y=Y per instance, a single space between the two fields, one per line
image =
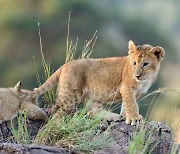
x=8 y=148
x=120 y=134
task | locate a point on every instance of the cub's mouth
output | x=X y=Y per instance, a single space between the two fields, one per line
x=140 y=79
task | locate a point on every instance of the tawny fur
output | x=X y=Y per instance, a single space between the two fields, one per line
x=11 y=103
x=105 y=81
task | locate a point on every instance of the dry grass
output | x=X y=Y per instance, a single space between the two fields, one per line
x=71 y=47
x=165 y=107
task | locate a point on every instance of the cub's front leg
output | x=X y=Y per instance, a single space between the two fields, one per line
x=122 y=113
x=129 y=104
x=34 y=112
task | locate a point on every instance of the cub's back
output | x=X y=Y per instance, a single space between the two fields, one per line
x=92 y=78
x=90 y=70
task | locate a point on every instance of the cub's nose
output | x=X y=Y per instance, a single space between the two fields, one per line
x=138 y=76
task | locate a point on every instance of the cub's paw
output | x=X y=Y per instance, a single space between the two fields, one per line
x=111 y=117
x=122 y=116
x=134 y=120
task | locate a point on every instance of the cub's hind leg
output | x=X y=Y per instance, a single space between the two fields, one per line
x=64 y=105
x=98 y=110
x=69 y=93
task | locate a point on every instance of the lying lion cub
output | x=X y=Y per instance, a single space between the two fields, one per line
x=105 y=81
x=10 y=103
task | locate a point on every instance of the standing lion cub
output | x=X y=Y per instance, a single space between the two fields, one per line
x=105 y=81
x=11 y=103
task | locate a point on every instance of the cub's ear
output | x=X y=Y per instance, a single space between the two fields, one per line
x=132 y=47
x=18 y=86
x=158 y=52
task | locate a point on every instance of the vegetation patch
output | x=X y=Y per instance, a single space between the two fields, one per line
x=139 y=143
x=75 y=131
x=21 y=135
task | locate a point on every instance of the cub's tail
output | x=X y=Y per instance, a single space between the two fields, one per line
x=48 y=85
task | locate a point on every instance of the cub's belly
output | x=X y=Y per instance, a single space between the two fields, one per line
x=106 y=96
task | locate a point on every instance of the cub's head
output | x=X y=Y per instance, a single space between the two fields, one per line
x=145 y=60
x=23 y=95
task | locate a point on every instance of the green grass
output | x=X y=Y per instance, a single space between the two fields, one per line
x=138 y=144
x=73 y=131
x=21 y=135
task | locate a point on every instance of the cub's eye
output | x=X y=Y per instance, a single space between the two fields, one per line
x=139 y=48
x=134 y=63
x=145 y=64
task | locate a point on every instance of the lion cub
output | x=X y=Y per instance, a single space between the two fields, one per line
x=105 y=81
x=10 y=103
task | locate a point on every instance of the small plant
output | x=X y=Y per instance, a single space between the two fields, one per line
x=72 y=47
x=88 y=47
x=50 y=95
x=73 y=131
x=139 y=143
x=21 y=134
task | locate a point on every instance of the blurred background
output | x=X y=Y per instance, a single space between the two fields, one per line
x=152 y=22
